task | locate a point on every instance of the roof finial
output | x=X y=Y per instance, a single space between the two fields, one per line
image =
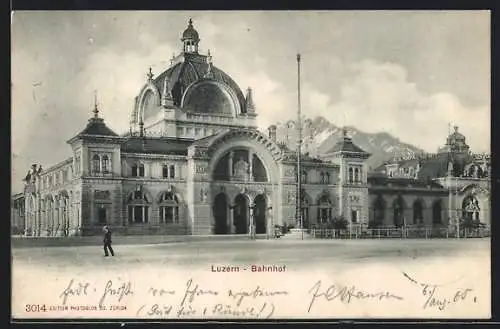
x=456 y=128
x=191 y=22
x=344 y=132
x=96 y=110
x=209 y=74
x=150 y=74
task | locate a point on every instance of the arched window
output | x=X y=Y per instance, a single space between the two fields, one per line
x=141 y=170
x=356 y=175
x=172 y=171
x=436 y=213
x=105 y=164
x=96 y=163
x=138 y=207
x=169 y=208
x=350 y=175
x=165 y=171
x=418 y=212
x=322 y=178
x=327 y=178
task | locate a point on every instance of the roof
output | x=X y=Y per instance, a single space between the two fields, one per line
x=346 y=145
x=156 y=145
x=97 y=127
x=207 y=141
x=433 y=167
x=190 y=32
x=193 y=69
x=377 y=180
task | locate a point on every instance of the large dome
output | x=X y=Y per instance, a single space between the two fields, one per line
x=188 y=80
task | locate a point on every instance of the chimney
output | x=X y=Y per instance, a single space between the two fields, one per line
x=272 y=132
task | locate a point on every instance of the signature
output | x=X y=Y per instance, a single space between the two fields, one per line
x=345 y=294
x=257 y=292
x=72 y=289
x=123 y=289
x=433 y=298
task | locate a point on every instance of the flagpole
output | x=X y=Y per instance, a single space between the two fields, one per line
x=299 y=142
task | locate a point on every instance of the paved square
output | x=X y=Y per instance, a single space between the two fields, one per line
x=40 y=275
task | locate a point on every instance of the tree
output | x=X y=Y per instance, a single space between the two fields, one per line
x=339 y=223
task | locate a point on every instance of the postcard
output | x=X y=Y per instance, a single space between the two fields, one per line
x=255 y=165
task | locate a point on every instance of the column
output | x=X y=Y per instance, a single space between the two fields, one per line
x=230 y=164
x=231 y=221
x=143 y=214
x=250 y=165
x=250 y=220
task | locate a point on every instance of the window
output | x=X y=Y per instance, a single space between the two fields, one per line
x=354 y=216
x=65 y=175
x=356 y=175
x=172 y=171
x=324 y=209
x=322 y=178
x=96 y=163
x=138 y=170
x=77 y=165
x=327 y=178
x=105 y=164
x=101 y=214
x=165 y=171
x=169 y=208
x=138 y=207
x=350 y=175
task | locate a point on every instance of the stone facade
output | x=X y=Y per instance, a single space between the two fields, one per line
x=193 y=162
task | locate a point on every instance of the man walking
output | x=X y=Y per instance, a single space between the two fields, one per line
x=107 y=241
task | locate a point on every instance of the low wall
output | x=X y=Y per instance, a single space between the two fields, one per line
x=30 y=242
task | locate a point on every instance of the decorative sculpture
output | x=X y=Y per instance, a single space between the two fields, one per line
x=241 y=169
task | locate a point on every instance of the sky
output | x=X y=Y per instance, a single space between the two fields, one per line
x=408 y=73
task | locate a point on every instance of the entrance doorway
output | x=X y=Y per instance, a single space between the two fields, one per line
x=241 y=214
x=102 y=215
x=220 y=214
x=260 y=214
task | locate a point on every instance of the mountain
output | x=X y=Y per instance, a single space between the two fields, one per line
x=319 y=135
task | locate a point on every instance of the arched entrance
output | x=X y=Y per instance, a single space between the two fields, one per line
x=470 y=209
x=398 y=207
x=378 y=211
x=418 y=212
x=260 y=214
x=241 y=214
x=220 y=214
